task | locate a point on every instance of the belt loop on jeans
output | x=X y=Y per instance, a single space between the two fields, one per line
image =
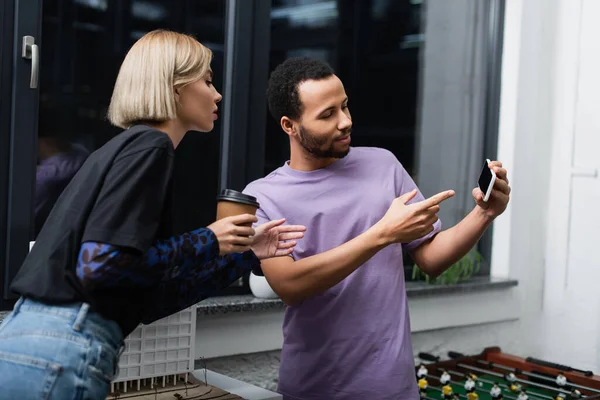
x=18 y=305
x=83 y=311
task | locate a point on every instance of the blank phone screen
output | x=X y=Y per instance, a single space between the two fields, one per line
x=485 y=178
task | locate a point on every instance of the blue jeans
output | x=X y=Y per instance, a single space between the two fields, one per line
x=57 y=352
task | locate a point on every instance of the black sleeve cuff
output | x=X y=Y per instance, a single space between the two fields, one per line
x=256 y=267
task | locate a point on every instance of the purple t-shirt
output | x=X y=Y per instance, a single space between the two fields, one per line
x=352 y=341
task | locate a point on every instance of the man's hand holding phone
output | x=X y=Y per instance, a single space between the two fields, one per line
x=493 y=192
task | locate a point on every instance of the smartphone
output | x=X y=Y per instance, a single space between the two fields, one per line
x=486 y=180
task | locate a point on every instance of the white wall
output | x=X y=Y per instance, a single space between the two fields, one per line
x=261 y=330
x=572 y=298
x=238 y=333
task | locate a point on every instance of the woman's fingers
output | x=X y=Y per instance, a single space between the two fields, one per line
x=286 y=245
x=291 y=236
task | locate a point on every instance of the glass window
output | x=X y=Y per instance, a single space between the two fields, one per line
x=84 y=43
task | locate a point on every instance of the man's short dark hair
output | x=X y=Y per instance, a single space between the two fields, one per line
x=282 y=91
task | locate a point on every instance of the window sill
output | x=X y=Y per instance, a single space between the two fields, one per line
x=414 y=290
x=477 y=284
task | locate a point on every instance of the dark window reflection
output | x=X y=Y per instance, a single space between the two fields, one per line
x=83 y=45
x=373 y=45
x=59 y=159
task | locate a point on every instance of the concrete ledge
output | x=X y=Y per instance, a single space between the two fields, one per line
x=246 y=303
x=237 y=304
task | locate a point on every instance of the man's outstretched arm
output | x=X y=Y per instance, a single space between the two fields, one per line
x=449 y=246
x=295 y=281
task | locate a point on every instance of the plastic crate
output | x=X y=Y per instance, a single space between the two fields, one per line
x=164 y=347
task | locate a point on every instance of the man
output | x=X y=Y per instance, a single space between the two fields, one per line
x=346 y=328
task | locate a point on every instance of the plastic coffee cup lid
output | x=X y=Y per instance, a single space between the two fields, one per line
x=237 y=197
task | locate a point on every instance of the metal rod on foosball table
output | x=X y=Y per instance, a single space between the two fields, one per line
x=497 y=375
x=533 y=375
x=594 y=397
x=535 y=384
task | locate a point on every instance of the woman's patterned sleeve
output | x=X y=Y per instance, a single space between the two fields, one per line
x=180 y=271
x=102 y=264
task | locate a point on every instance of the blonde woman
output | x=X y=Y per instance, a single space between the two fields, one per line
x=106 y=259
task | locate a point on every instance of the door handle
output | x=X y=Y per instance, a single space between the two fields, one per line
x=31 y=51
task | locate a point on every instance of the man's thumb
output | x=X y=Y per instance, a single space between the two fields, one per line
x=406 y=197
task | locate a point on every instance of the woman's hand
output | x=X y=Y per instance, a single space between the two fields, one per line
x=234 y=234
x=274 y=240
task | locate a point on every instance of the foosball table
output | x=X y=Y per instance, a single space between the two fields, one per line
x=496 y=375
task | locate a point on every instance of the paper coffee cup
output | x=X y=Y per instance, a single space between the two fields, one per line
x=231 y=202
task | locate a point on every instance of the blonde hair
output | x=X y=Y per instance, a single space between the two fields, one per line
x=156 y=65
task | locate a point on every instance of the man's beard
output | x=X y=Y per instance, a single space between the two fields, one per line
x=313 y=144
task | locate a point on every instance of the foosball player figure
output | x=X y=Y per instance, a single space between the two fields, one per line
x=561 y=380
x=422 y=372
x=511 y=379
x=514 y=387
x=469 y=384
x=523 y=396
x=472 y=396
x=576 y=394
x=447 y=392
x=470 y=388
x=496 y=392
x=423 y=385
x=560 y=396
x=445 y=378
